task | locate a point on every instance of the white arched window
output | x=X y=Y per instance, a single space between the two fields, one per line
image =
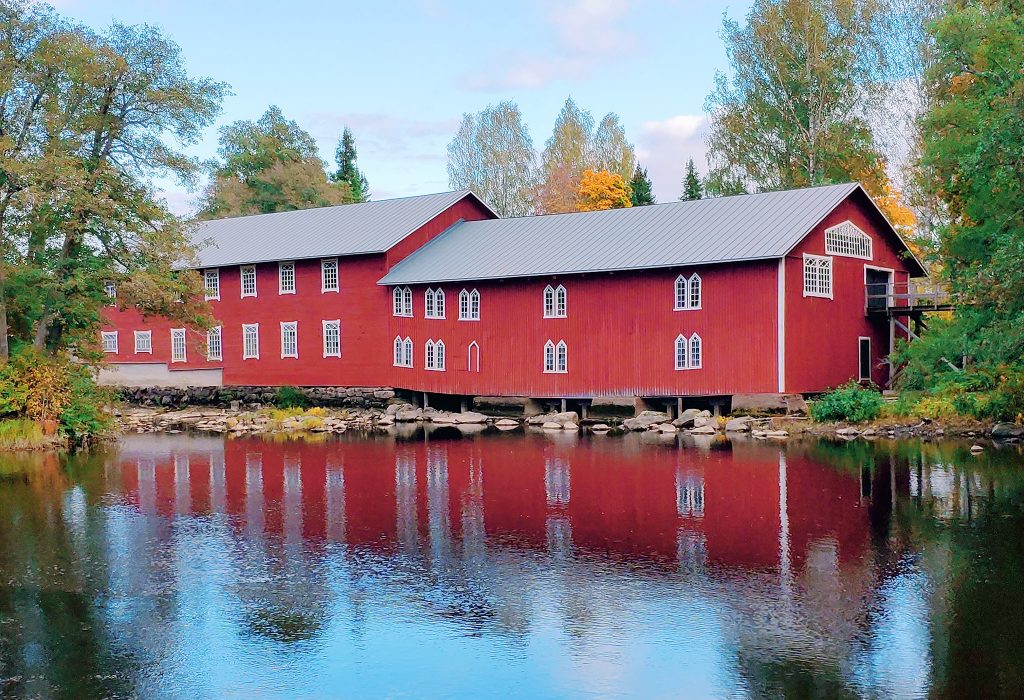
x=561 y=302
x=846 y=239
x=549 y=356
x=561 y=357
x=473 y=357
x=682 y=351
x=407 y=301
x=439 y=355
x=555 y=302
x=463 y=305
x=399 y=352
x=428 y=304
x=474 y=305
x=401 y=298
x=469 y=305
x=428 y=354
x=434 y=303
x=408 y=352
x=696 y=352
x=687 y=292
x=549 y=301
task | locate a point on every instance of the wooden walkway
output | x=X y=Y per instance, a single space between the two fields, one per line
x=907 y=299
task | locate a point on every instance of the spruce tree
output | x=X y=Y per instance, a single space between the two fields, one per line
x=692 y=188
x=641 y=187
x=348 y=171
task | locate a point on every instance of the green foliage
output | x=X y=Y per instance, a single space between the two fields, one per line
x=348 y=171
x=290 y=397
x=641 y=188
x=850 y=402
x=692 y=187
x=86 y=413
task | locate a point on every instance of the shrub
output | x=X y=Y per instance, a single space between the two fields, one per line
x=290 y=397
x=20 y=433
x=850 y=402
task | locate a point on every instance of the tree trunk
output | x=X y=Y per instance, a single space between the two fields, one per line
x=5 y=349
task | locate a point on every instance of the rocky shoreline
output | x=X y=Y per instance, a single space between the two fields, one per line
x=236 y=421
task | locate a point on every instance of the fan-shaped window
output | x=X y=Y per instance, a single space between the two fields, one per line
x=848 y=240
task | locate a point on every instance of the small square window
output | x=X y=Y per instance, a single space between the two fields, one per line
x=110 y=341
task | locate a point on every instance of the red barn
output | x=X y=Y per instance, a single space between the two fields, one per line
x=761 y=293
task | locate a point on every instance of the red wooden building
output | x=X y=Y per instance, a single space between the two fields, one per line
x=760 y=293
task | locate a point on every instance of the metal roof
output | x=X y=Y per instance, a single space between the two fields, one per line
x=725 y=229
x=348 y=229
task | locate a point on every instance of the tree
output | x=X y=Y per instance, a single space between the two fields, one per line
x=566 y=155
x=89 y=120
x=492 y=154
x=268 y=166
x=600 y=190
x=610 y=149
x=348 y=171
x=641 y=188
x=791 y=113
x=692 y=188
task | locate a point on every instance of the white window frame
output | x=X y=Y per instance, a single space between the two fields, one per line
x=398 y=355
x=401 y=302
x=325 y=265
x=110 y=289
x=282 y=267
x=242 y=271
x=217 y=333
x=434 y=356
x=818 y=290
x=692 y=350
x=408 y=352
x=433 y=303
x=848 y=240
x=106 y=337
x=332 y=323
x=470 y=357
x=211 y=291
x=684 y=290
x=556 y=302
x=556 y=357
x=293 y=328
x=682 y=294
x=139 y=349
x=178 y=336
x=255 y=354
x=860 y=377
x=469 y=305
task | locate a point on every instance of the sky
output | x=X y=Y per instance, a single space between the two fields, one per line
x=401 y=74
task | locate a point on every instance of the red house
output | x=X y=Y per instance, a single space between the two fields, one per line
x=761 y=293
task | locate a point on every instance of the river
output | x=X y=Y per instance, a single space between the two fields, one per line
x=537 y=565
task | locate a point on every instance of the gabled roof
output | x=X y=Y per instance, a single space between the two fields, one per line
x=725 y=229
x=348 y=229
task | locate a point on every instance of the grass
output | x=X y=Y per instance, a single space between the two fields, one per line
x=21 y=434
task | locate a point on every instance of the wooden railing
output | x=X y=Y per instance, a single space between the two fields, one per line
x=916 y=295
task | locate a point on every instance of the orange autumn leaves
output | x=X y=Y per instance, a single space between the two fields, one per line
x=599 y=190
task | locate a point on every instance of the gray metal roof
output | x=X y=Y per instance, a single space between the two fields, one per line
x=348 y=229
x=725 y=229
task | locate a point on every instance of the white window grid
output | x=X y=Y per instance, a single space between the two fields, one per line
x=469 y=305
x=110 y=289
x=688 y=291
x=178 y=351
x=144 y=342
x=332 y=338
x=109 y=341
x=248 y=275
x=403 y=352
x=329 y=280
x=556 y=357
x=286 y=278
x=211 y=283
x=689 y=352
x=434 y=353
x=817 y=276
x=214 y=344
x=250 y=341
x=555 y=302
x=433 y=303
x=848 y=240
x=290 y=339
x=401 y=301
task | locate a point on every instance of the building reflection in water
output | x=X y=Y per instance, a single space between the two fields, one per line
x=774 y=553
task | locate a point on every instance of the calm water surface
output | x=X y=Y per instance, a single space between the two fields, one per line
x=511 y=565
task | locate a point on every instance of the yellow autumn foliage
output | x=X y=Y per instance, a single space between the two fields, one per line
x=602 y=190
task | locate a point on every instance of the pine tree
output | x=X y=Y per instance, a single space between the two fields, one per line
x=692 y=188
x=348 y=171
x=641 y=187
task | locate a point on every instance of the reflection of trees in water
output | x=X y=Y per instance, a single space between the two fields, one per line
x=53 y=641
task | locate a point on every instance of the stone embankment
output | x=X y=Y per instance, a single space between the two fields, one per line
x=254 y=397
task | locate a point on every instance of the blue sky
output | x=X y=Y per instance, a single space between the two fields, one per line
x=401 y=74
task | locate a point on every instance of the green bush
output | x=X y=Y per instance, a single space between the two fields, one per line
x=850 y=402
x=290 y=397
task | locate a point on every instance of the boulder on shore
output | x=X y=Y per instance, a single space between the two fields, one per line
x=1007 y=431
x=738 y=425
x=644 y=420
x=686 y=418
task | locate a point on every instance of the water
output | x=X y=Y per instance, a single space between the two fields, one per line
x=511 y=565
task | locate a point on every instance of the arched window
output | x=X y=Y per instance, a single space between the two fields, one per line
x=429 y=355
x=846 y=239
x=407 y=301
x=463 y=305
x=549 y=356
x=549 y=301
x=438 y=303
x=696 y=352
x=399 y=352
x=439 y=355
x=408 y=352
x=681 y=295
x=396 y=297
x=473 y=357
x=428 y=304
x=561 y=305
x=693 y=298
x=682 y=352
x=561 y=357
x=474 y=305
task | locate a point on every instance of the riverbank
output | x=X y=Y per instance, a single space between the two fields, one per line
x=237 y=422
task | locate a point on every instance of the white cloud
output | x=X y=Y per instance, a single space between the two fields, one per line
x=587 y=34
x=664 y=146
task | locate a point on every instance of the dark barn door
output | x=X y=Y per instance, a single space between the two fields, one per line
x=878 y=287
